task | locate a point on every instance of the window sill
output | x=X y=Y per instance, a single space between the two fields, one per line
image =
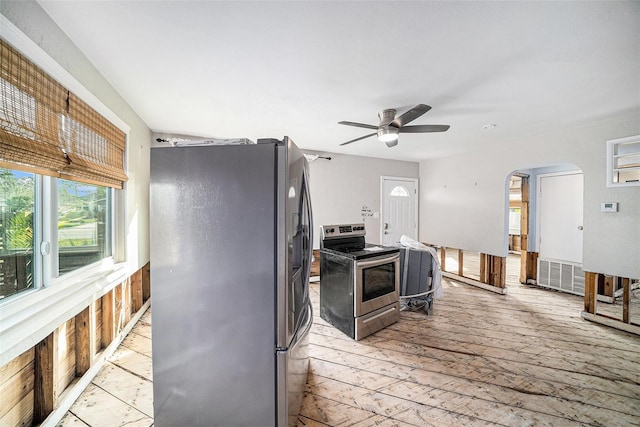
x=27 y=319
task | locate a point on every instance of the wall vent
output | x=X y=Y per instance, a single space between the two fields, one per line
x=561 y=275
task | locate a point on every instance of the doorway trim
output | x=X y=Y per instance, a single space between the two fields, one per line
x=384 y=178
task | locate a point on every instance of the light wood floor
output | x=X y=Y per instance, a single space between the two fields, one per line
x=479 y=358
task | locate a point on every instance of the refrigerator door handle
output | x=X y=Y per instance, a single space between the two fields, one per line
x=309 y=231
x=305 y=326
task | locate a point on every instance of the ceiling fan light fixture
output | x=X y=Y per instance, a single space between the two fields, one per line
x=388 y=134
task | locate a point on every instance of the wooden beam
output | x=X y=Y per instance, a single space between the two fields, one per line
x=443 y=258
x=126 y=292
x=136 y=291
x=523 y=265
x=46 y=365
x=609 y=285
x=493 y=270
x=590 y=292
x=65 y=355
x=146 y=282
x=532 y=266
x=460 y=263
x=118 y=311
x=501 y=266
x=524 y=219
x=96 y=329
x=108 y=310
x=524 y=231
x=83 y=341
x=625 y=299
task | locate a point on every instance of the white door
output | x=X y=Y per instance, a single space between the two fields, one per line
x=560 y=219
x=399 y=209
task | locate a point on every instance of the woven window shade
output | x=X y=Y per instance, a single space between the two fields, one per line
x=46 y=129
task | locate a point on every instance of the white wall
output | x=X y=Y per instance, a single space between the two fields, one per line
x=463 y=198
x=29 y=17
x=343 y=186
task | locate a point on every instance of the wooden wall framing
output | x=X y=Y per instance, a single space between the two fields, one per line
x=598 y=284
x=31 y=385
x=493 y=270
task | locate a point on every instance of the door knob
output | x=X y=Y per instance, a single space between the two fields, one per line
x=386 y=232
x=580 y=227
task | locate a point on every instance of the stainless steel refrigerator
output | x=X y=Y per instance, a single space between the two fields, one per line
x=231 y=249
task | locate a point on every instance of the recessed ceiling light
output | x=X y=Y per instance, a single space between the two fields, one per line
x=490 y=126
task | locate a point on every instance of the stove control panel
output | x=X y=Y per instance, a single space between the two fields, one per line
x=341 y=231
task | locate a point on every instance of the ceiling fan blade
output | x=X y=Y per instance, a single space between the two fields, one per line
x=358 y=139
x=411 y=115
x=424 y=128
x=358 y=125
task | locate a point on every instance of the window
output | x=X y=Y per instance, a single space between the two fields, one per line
x=515 y=215
x=399 y=191
x=83 y=221
x=17 y=195
x=84 y=224
x=60 y=161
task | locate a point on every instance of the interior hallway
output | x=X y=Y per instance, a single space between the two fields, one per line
x=479 y=358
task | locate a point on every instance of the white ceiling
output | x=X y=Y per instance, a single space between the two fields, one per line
x=269 y=69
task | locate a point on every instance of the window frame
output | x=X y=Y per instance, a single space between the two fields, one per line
x=29 y=316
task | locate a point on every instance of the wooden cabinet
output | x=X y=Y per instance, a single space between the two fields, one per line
x=623 y=161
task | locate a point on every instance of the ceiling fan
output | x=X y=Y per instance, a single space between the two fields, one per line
x=391 y=126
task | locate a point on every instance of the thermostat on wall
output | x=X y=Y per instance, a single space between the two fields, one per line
x=609 y=207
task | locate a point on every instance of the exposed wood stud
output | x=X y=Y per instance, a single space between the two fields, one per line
x=460 y=263
x=525 y=258
x=625 y=299
x=45 y=393
x=146 y=282
x=96 y=328
x=108 y=322
x=66 y=355
x=83 y=341
x=532 y=265
x=118 y=311
x=493 y=270
x=126 y=290
x=443 y=258
x=590 y=291
x=136 y=291
x=608 y=285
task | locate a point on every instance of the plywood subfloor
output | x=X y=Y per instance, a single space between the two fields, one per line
x=479 y=358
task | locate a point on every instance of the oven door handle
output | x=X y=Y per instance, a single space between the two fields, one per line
x=377 y=261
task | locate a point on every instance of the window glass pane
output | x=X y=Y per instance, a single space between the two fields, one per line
x=399 y=192
x=514 y=220
x=84 y=224
x=17 y=190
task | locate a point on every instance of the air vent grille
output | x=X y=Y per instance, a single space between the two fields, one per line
x=561 y=275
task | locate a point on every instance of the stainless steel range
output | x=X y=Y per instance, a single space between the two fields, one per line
x=359 y=282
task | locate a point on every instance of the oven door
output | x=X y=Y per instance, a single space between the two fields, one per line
x=377 y=283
